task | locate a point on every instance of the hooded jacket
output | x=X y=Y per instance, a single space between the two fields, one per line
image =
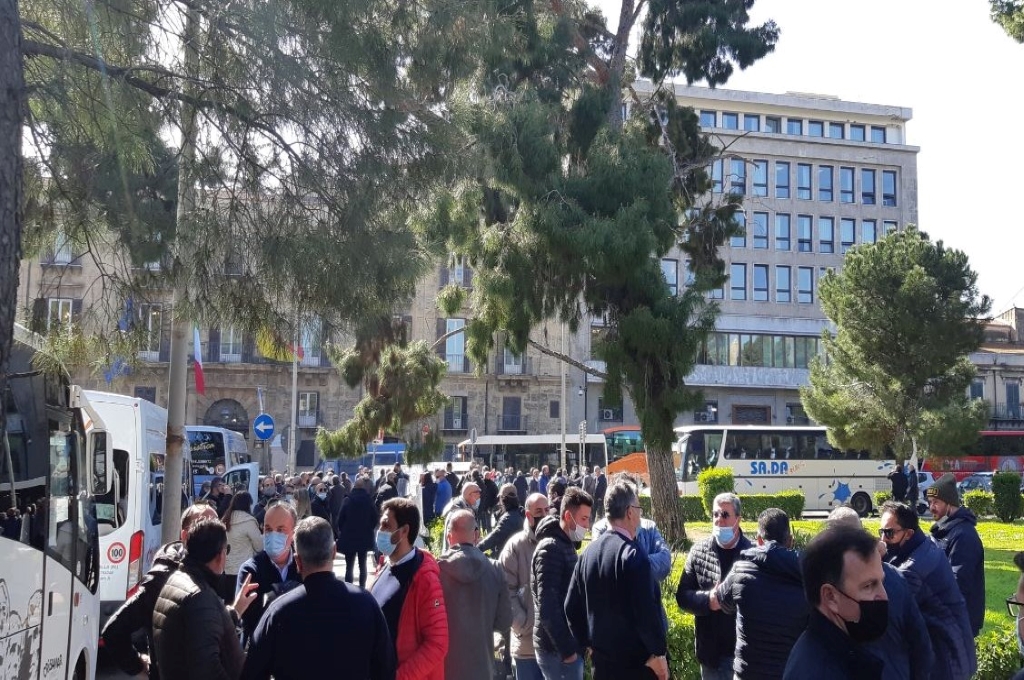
x=478 y=606
x=957 y=535
x=765 y=590
x=550 y=573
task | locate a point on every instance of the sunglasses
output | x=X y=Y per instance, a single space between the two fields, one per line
x=720 y=514
x=1013 y=607
x=888 y=533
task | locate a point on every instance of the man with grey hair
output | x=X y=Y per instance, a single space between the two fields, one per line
x=323 y=613
x=468 y=499
x=707 y=565
x=614 y=602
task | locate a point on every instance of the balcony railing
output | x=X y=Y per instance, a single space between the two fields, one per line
x=455 y=422
x=509 y=422
x=522 y=367
x=308 y=419
x=457 y=363
x=1006 y=412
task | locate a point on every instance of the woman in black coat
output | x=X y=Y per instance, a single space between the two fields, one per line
x=357 y=527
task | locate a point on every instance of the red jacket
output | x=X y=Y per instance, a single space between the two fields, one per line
x=422 y=642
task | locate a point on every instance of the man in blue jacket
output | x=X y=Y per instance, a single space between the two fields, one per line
x=957 y=534
x=443 y=494
x=272 y=569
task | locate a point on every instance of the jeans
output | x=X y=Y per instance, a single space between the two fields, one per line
x=722 y=671
x=350 y=559
x=552 y=668
x=527 y=669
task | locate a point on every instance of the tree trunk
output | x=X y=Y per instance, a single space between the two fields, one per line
x=12 y=103
x=617 y=63
x=665 y=496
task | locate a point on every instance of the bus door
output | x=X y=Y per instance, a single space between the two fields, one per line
x=245 y=477
x=60 y=539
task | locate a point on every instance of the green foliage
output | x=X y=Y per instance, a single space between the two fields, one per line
x=881 y=497
x=690 y=507
x=435 y=536
x=683 y=662
x=1008 y=502
x=981 y=503
x=998 y=658
x=1010 y=15
x=711 y=482
x=791 y=502
x=421 y=449
x=887 y=382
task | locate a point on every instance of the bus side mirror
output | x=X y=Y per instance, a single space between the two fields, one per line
x=100 y=449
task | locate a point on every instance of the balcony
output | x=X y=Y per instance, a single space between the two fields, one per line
x=1006 y=416
x=511 y=423
x=308 y=419
x=513 y=369
x=457 y=363
x=455 y=422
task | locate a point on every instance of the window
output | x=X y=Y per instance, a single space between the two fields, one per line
x=761 y=230
x=688 y=274
x=151 y=323
x=606 y=412
x=553 y=409
x=716 y=176
x=803 y=181
x=512 y=363
x=826 y=235
x=878 y=134
x=230 y=344
x=1013 y=399
x=781 y=179
x=670 y=269
x=888 y=227
x=738 y=282
x=847 y=234
x=781 y=231
x=62 y=248
x=511 y=418
x=805 y=285
x=730 y=121
x=760 y=283
x=455 y=414
x=760 y=178
x=857 y=133
x=794 y=126
x=309 y=404
x=867 y=186
x=783 y=284
x=889 y=188
x=58 y=313
x=868 y=231
x=835 y=130
x=804 y=233
x=707 y=119
x=825 y=183
x=311 y=339
x=977 y=389
x=751 y=122
x=455 y=346
x=772 y=124
x=815 y=128
x=717 y=293
x=846 y=185
x=740 y=239
x=738 y=176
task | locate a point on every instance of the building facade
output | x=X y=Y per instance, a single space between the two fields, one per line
x=1000 y=365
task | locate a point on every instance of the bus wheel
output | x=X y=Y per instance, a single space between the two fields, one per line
x=861 y=503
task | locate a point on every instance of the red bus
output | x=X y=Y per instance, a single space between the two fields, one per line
x=994 y=450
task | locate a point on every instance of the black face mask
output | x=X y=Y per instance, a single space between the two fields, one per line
x=874 y=619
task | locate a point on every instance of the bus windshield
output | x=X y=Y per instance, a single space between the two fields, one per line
x=700 y=451
x=623 y=441
x=207 y=457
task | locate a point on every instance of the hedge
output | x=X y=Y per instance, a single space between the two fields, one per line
x=881 y=497
x=981 y=503
x=712 y=482
x=998 y=658
x=1006 y=490
x=692 y=507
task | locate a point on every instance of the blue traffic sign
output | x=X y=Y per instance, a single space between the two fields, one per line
x=263 y=427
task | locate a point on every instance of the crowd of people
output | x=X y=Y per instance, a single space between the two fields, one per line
x=904 y=604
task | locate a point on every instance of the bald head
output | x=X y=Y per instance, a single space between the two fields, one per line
x=462 y=528
x=470 y=493
x=844 y=516
x=536 y=508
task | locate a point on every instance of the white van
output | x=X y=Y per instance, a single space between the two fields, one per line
x=129 y=516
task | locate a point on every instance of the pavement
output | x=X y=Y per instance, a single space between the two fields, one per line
x=109 y=672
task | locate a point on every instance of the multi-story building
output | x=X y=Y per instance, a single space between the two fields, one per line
x=818 y=176
x=1000 y=365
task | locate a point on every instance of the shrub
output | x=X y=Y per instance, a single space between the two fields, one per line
x=881 y=497
x=998 y=658
x=435 y=536
x=712 y=482
x=1006 y=493
x=791 y=502
x=981 y=503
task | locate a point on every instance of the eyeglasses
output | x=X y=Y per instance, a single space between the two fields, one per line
x=720 y=514
x=888 y=533
x=1013 y=607
x=227 y=549
x=638 y=507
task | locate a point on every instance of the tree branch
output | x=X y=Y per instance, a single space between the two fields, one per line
x=543 y=349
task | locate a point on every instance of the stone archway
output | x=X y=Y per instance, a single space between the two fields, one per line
x=229 y=414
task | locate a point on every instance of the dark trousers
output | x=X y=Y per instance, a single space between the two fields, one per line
x=350 y=559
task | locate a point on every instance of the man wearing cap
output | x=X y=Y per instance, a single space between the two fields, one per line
x=955 y=531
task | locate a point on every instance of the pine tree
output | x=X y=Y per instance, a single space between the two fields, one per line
x=1010 y=15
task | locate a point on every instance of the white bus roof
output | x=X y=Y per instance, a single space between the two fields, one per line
x=571 y=438
x=759 y=428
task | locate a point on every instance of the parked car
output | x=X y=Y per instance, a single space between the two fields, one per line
x=979 y=481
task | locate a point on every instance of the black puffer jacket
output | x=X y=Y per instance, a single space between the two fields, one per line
x=766 y=591
x=509 y=525
x=137 y=612
x=957 y=535
x=193 y=632
x=550 y=573
x=715 y=631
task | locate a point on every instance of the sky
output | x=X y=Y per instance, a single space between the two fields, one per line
x=959 y=73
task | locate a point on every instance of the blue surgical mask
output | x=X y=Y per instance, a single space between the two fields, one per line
x=322 y=496
x=723 y=535
x=275 y=543
x=476 y=504
x=384 y=544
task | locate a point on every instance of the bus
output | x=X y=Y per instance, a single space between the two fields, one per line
x=770 y=459
x=54 y=463
x=526 y=451
x=623 y=440
x=377 y=456
x=994 y=450
x=215 y=450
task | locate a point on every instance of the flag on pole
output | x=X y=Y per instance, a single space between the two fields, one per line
x=198 y=349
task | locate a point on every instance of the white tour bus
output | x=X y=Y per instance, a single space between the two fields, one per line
x=130 y=515
x=769 y=459
x=219 y=452
x=525 y=451
x=53 y=463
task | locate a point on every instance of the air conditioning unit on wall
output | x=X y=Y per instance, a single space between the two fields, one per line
x=608 y=414
x=701 y=417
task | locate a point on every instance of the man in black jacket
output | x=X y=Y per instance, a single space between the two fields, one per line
x=765 y=591
x=272 y=569
x=707 y=563
x=137 y=612
x=323 y=613
x=559 y=655
x=614 y=603
x=509 y=525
